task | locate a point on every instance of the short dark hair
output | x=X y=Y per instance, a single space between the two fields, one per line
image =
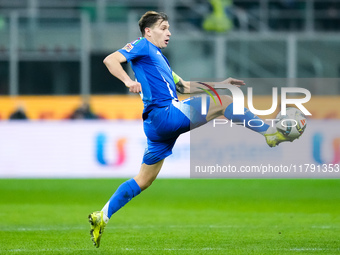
x=150 y=18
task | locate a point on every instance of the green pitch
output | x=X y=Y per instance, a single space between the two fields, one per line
x=174 y=216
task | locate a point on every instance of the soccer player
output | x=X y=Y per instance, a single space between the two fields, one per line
x=164 y=116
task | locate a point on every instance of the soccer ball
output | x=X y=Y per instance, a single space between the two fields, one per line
x=293 y=124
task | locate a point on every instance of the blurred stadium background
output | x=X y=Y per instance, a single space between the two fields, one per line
x=55 y=48
x=63 y=116
x=51 y=68
x=51 y=54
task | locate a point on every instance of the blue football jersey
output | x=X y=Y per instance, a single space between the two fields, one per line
x=153 y=71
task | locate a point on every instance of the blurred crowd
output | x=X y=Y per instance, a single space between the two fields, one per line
x=283 y=15
x=83 y=112
x=220 y=15
x=18 y=114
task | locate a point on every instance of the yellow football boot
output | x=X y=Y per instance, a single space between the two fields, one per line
x=97 y=227
x=276 y=138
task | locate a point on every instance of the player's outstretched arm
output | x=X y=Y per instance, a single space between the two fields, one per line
x=113 y=63
x=182 y=87
x=186 y=87
x=233 y=81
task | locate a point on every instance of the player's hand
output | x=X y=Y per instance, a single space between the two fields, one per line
x=234 y=82
x=134 y=86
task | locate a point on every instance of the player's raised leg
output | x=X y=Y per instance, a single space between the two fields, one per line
x=125 y=192
x=272 y=135
x=226 y=109
x=148 y=174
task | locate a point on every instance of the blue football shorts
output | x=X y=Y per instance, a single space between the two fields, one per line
x=162 y=126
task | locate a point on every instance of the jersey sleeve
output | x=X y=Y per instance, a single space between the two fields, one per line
x=135 y=49
x=176 y=77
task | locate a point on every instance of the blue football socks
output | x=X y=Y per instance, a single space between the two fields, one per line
x=248 y=119
x=125 y=192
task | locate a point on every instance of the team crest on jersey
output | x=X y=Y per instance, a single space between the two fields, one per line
x=128 y=47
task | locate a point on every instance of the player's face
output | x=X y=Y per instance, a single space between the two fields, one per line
x=159 y=34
